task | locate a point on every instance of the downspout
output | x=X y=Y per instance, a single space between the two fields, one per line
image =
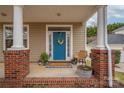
x=109 y=51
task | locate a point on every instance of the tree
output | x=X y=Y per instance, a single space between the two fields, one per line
x=92 y=30
x=114 y=26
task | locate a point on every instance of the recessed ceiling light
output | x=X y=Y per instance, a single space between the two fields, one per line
x=58 y=14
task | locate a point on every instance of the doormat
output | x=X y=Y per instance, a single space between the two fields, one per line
x=59 y=65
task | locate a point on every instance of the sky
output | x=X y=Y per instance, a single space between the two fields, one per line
x=115 y=14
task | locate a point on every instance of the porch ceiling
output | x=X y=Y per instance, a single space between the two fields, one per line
x=33 y=13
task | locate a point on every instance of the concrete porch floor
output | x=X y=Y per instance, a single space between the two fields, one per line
x=41 y=71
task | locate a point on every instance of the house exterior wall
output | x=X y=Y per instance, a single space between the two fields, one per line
x=78 y=38
x=119 y=32
x=37 y=39
x=116 y=46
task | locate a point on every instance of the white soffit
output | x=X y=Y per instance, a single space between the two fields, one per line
x=40 y=13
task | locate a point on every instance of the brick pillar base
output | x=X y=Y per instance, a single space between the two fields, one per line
x=100 y=65
x=16 y=64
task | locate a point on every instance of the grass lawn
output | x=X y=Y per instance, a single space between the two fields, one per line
x=119 y=76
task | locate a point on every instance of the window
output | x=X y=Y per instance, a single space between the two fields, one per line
x=8 y=36
x=50 y=45
x=68 y=45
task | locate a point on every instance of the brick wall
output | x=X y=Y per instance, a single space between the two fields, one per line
x=100 y=65
x=67 y=82
x=5 y=83
x=16 y=64
x=55 y=83
x=17 y=67
x=60 y=82
x=1 y=43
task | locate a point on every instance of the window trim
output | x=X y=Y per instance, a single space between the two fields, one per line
x=10 y=25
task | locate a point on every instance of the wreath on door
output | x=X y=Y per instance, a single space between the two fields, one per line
x=60 y=41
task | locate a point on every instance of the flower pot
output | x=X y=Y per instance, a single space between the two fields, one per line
x=84 y=72
x=45 y=63
x=74 y=61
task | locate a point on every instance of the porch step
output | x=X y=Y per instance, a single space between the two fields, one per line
x=59 y=64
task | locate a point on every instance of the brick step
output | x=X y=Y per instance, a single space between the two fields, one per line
x=64 y=82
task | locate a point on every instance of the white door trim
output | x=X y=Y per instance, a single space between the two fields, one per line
x=71 y=40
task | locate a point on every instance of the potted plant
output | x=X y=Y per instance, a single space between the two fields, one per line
x=44 y=57
x=74 y=61
x=84 y=71
x=39 y=62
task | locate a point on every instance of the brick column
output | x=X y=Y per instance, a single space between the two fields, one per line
x=16 y=64
x=100 y=65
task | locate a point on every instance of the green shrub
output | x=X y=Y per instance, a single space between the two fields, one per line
x=117 y=56
x=44 y=57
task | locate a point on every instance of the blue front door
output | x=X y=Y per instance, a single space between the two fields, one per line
x=59 y=45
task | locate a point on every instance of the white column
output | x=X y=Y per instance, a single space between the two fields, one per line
x=100 y=27
x=85 y=34
x=18 y=27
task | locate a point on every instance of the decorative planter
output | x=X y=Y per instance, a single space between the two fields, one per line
x=74 y=61
x=44 y=57
x=84 y=72
x=44 y=63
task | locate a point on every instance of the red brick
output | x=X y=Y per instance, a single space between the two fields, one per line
x=100 y=65
x=16 y=64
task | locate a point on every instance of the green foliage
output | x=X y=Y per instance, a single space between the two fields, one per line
x=91 y=31
x=114 y=26
x=44 y=57
x=117 y=56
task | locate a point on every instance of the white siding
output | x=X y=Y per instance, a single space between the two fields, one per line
x=37 y=39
